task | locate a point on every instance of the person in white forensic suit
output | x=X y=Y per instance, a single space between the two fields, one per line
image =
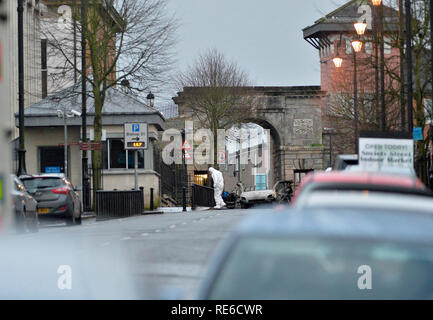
x=218 y=184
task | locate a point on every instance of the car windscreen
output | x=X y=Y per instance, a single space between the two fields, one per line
x=34 y=184
x=296 y=268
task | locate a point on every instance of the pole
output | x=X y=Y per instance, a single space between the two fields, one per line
x=402 y=71
x=382 y=69
x=75 y=42
x=330 y=149
x=21 y=148
x=376 y=64
x=135 y=169
x=409 y=84
x=84 y=159
x=355 y=97
x=65 y=126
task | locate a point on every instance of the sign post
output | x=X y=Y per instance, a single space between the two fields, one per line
x=135 y=138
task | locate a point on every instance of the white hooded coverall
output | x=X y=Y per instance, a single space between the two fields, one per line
x=218 y=182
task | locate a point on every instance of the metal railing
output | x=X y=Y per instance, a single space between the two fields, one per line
x=202 y=196
x=118 y=204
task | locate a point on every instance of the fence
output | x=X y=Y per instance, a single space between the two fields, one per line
x=118 y=204
x=202 y=196
x=174 y=177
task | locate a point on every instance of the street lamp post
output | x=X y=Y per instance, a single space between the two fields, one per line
x=380 y=40
x=409 y=77
x=21 y=147
x=63 y=115
x=84 y=159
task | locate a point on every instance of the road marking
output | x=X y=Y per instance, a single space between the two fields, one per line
x=184 y=223
x=105 y=244
x=144 y=234
x=172 y=226
x=126 y=238
x=157 y=231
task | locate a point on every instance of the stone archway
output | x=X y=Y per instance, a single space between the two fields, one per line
x=294 y=117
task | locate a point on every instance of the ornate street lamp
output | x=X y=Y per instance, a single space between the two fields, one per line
x=337 y=62
x=357 y=45
x=360 y=28
x=150 y=99
x=376 y=2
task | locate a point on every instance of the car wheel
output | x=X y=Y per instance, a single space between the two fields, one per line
x=20 y=222
x=78 y=220
x=71 y=220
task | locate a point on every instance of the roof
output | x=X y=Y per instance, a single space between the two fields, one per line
x=342 y=19
x=342 y=223
x=119 y=107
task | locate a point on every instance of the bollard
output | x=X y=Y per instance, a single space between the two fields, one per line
x=193 y=206
x=151 y=199
x=184 y=199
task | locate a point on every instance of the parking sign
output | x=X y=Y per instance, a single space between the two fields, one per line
x=135 y=136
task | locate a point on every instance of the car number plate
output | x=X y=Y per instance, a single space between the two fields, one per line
x=43 y=210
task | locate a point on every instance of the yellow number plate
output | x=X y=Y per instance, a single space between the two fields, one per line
x=43 y=210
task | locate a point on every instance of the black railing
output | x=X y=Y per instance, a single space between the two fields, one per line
x=202 y=196
x=118 y=204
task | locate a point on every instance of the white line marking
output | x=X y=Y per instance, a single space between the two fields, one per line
x=126 y=238
x=105 y=244
x=157 y=231
x=172 y=226
x=144 y=234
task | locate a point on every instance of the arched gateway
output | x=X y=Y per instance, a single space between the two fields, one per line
x=294 y=117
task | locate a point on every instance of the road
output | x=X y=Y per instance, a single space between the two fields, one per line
x=144 y=257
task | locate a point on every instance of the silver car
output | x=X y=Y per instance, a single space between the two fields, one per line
x=24 y=207
x=56 y=196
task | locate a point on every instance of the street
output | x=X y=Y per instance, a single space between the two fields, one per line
x=149 y=257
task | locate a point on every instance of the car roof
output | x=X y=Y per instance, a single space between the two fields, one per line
x=341 y=223
x=365 y=178
x=367 y=200
x=44 y=175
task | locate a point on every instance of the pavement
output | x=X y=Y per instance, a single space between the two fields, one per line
x=144 y=257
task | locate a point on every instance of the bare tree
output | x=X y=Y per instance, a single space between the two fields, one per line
x=129 y=42
x=217 y=92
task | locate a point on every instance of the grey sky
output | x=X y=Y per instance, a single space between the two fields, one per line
x=264 y=37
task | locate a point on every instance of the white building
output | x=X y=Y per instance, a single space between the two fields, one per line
x=33 y=9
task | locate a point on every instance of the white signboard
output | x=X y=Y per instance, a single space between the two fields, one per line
x=135 y=136
x=375 y=153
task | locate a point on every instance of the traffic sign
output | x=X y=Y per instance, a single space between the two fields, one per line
x=186 y=145
x=136 y=136
x=418 y=134
x=187 y=155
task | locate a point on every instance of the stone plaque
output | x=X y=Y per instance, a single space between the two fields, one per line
x=303 y=127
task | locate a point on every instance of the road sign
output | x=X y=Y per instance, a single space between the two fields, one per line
x=221 y=157
x=375 y=153
x=186 y=145
x=187 y=155
x=418 y=134
x=52 y=170
x=136 y=136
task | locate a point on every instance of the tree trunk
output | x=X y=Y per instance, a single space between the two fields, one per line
x=97 y=154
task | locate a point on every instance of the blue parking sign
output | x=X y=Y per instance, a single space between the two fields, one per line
x=418 y=134
x=135 y=127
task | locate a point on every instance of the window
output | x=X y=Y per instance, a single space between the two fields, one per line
x=51 y=159
x=116 y=157
x=260 y=182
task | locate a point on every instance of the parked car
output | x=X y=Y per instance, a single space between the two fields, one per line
x=390 y=170
x=55 y=195
x=360 y=181
x=346 y=254
x=344 y=199
x=24 y=207
x=344 y=160
x=282 y=192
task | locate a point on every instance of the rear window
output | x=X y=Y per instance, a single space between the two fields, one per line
x=290 y=268
x=42 y=183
